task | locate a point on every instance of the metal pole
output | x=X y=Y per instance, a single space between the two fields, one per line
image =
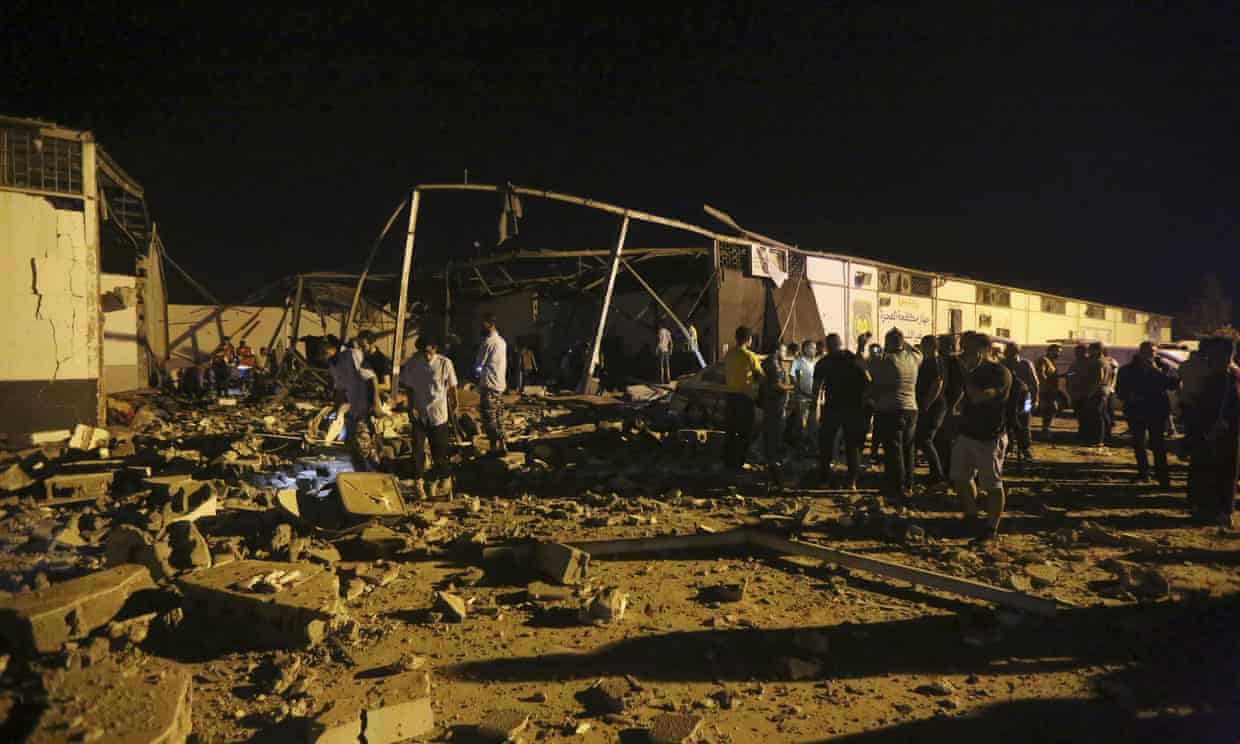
x=588 y=371
x=447 y=303
x=296 y=314
x=399 y=336
x=361 y=280
x=666 y=309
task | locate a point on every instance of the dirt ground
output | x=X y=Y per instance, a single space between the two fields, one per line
x=813 y=651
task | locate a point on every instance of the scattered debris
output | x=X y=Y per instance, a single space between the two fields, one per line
x=114 y=701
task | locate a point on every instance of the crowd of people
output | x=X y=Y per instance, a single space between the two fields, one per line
x=967 y=406
x=229 y=368
x=426 y=387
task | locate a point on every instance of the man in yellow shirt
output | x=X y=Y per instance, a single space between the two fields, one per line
x=742 y=369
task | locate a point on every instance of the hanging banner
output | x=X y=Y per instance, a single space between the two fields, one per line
x=768 y=262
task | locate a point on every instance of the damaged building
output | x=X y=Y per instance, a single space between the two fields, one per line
x=701 y=290
x=84 y=301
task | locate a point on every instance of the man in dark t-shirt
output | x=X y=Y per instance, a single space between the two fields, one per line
x=977 y=455
x=840 y=379
x=953 y=389
x=376 y=360
x=931 y=408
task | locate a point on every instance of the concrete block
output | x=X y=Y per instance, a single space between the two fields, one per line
x=537 y=591
x=562 y=564
x=503 y=726
x=227 y=598
x=452 y=606
x=189 y=548
x=373 y=543
x=88 y=438
x=128 y=544
x=674 y=728
x=42 y=620
x=382 y=710
x=606 y=696
x=68 y=489
x=14 y=478
x=144 y=703
x=49 y=436
x=368 y=495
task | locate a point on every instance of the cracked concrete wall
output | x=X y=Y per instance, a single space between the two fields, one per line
x=47 y=304
x=50 y=307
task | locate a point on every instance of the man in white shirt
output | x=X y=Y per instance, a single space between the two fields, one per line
x=428 y=381
x=491 y=366
x=804 y=409
x=663 y=354
x=350 y=376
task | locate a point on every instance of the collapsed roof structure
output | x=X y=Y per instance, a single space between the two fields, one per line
x=612 y=300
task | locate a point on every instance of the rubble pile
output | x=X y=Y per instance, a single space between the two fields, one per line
x=197 y=569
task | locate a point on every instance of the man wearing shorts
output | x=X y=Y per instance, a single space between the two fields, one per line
x=663 y=354
x=977 y=455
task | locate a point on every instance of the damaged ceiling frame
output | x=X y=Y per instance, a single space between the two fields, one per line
x=617 y=257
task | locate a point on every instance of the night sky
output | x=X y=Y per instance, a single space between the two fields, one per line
x=1091 y=151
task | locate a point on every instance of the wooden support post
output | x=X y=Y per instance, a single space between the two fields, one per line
x=755 y=538
x=644 y=545
x=666 y=309
x=361 y=280
x=918 y=576
x=399 y=337
x=588 y=370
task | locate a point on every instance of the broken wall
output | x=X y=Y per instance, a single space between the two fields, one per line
x=123 y=361
x=51 y=310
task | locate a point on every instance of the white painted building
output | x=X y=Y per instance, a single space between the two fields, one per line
x=854 y=296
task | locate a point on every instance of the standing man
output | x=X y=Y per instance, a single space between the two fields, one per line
x=246 y=364
x=428 y=381
x=1096 y=403
x=527 y=366
x=893 y=391
x=354 y=386
x=776 y=390
x=840 y=379
x=1193 y=374
x=977 y=457
x=803 y=411
x=742 y=370
x=663 y=354
x=1110 y=371
x=222 y=361
x=491 y=366
x=1084 y=380
x=375 y=358
x=1025 y=377
x=953 y=393
x=1048 y=388
x=1213 y=470
x=1143 y=385
x=931 y=409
